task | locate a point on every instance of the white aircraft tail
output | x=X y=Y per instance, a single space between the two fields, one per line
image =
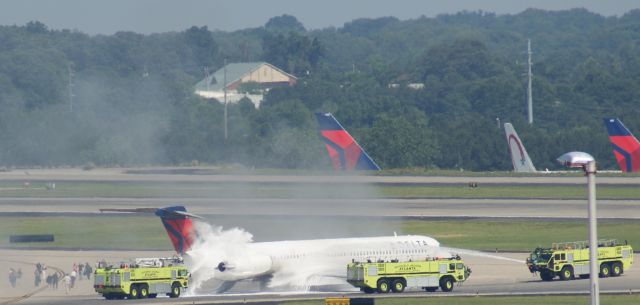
x=519 y=157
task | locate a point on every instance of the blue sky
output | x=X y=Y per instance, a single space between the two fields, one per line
x=153 y=16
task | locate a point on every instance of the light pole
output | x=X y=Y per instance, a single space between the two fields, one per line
x=588 y=164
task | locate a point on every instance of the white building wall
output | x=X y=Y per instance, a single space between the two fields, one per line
x=265 y=74
x=233 y=96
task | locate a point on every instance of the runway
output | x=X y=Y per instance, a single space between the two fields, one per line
x=214 y=175
x=489 y=276
x=392 y=207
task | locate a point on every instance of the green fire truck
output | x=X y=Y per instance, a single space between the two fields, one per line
x=142 y=278
x=430 y=274
x=570 y=259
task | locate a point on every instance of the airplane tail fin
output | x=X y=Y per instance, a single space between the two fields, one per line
x=626 y=147
x=344 y=151
x=519 y=156
x=179 y=227
x=176 y=221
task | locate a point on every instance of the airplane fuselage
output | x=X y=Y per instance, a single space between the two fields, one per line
x=323 y=257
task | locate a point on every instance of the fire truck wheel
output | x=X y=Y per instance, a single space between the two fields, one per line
x=133 y=292
x=143 y=291
x=368 y=290
x=566 y=273
x=175 y=290
x=616 y=269
x=605 y=270
x=446 y=283
x=383 y=286
x=398 y=286
x=546 y=275
x=430 y=289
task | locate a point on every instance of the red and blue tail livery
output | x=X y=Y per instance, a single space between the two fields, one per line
x=626 y=147
x=179 y=226
x=344 y=151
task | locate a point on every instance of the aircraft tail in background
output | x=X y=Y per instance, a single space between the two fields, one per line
x=519 y=157
x=344 y=151
x=626 y=147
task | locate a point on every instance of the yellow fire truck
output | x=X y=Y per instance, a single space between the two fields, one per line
x=570 y=259
x=395 y=276
x=143 y=278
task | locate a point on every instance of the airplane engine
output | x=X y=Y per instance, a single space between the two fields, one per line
x=243 y=268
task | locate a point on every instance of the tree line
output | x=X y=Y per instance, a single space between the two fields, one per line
x=68 y=98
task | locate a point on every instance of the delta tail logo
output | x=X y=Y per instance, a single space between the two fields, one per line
x=519 y=157
x=344 y=151
x=625 y=146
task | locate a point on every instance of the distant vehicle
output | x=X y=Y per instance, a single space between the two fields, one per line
x=144 y=278
x=571 y=259
x=626 y=147
x=519 y=156
x=344 y=151
x=260 y=260
x=395 y=276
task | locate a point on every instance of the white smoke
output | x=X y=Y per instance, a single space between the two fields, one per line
x=213 y=245
x=312 y=271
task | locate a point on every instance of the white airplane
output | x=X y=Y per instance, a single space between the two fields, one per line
x=519 y=156
x=266 y=261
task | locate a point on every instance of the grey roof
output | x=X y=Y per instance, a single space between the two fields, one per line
x=235 y=71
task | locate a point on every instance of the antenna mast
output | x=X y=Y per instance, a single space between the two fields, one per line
x=225 y=99
x=70 y=69
x=529 y=94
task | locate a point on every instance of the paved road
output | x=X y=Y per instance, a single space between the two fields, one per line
x=490 y=276
x=204 y=175
x=544 y=208
x=532 y=208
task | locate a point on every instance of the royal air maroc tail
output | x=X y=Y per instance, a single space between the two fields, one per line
x=519 y=157
x=626 y=147
x=344 y=151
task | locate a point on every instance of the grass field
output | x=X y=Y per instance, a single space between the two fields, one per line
x=134 y=233
x=147 y=233
x=529 y=300
x=282 y=190
x=518 y=235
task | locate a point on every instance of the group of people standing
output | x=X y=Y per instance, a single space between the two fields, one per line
x=40 y=276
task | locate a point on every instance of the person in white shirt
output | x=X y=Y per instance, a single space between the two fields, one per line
x=67 y=282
